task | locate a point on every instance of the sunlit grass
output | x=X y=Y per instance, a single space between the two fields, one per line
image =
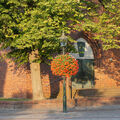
x=14 y=99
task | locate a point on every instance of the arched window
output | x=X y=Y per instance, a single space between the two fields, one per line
x=84 y=50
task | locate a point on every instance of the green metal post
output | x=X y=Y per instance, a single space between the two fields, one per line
x=63 y=50
x=64 y=91
x=64 y=95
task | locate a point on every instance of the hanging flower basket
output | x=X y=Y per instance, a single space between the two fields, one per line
x=64 y=65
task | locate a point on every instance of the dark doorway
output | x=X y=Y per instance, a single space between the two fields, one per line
x=85 y=76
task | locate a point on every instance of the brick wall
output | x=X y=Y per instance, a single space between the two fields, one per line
x=108 y=75
x=49 y=81
x=16 y=82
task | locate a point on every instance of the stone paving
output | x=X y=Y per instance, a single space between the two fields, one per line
x=78 y=113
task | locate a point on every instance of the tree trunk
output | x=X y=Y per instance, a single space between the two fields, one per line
x=36 y=78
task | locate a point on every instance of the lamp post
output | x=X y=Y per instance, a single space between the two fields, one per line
x=63 y=43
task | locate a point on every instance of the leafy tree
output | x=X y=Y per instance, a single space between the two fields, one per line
x=106 y=26
x=27 y=25
x=30 y=25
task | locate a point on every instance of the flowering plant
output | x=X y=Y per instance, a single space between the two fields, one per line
x=64 y=65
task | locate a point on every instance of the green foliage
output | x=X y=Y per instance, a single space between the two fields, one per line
x=107 y=27
x=27 y=25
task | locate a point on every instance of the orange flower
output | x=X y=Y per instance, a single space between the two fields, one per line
x=64 y=65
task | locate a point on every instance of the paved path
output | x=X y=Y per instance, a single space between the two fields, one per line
x=88 y=113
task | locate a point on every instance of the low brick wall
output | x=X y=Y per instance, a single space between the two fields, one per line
x=57 y=104
x=96 y=101
x=18 y=105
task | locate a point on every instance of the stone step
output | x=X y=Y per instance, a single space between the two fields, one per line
x=106 y=92
x=96 y=92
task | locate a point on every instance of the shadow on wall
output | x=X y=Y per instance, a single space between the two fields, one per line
x=23 y=71
x=96 y=100
x=25 y=68
x=3 y=70
x=50 y=81
x=87 y=93
x=89 y=97
x=22 y=95
x=111 y=64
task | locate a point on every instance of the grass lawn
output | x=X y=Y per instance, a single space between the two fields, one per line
x=14 y=99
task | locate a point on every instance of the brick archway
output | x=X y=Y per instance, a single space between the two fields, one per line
x=95 y=45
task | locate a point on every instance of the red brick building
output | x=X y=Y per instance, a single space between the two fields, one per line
x=16 y=82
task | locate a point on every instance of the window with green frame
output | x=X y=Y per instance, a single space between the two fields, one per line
x=81 y=48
